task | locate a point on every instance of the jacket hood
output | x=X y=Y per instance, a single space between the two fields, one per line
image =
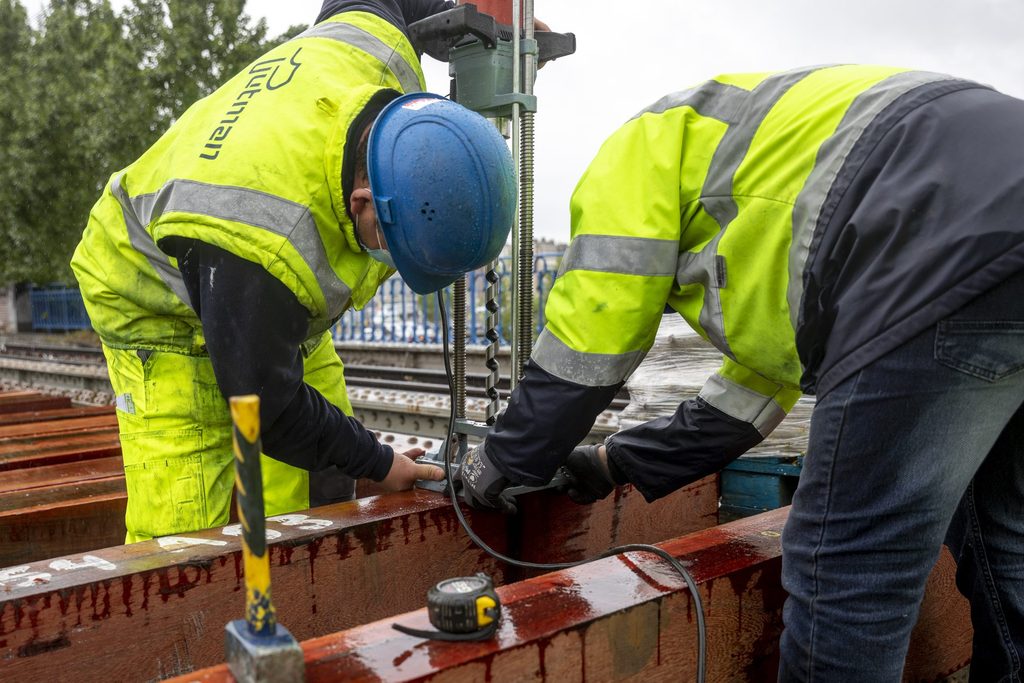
x=359 y=109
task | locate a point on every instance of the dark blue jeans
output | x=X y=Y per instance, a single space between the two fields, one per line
x=924 y=445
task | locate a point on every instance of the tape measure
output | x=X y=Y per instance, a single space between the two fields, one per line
x=461 y=608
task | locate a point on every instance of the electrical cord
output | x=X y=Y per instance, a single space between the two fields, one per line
x=632 y=547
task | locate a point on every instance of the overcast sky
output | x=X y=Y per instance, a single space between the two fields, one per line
x=630 y=53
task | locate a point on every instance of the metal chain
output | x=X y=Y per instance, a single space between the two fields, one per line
x=491 y=321
x=459 y=333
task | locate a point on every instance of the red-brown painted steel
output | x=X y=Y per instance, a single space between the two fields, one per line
x=22 y=401
x=334 y=567
x=629 y=617
x=64 y=473
x=59 y=427
x=44 y=449
x=61 y=481
x=52 y=415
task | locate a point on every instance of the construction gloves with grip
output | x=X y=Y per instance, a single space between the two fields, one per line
x=590 y=479
x=482 y=483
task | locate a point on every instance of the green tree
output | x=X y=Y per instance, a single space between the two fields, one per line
x=89 y=91
x=75 y=130
x=190 y=47
x=15 y=43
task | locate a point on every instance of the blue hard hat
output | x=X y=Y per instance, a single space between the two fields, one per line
x=443 y=187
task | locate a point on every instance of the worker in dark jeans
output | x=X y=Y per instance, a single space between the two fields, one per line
x=851 y=232
x=217 y=263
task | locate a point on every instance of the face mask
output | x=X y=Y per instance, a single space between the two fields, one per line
x=382 y=255
x=379 y=255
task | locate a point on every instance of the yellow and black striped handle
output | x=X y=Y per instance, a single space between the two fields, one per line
x=259 y=610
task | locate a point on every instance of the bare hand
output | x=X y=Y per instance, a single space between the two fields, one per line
x=404 y=472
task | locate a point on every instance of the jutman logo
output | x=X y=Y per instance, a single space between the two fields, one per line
x=270 y=74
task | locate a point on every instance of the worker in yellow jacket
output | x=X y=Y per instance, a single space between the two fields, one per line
x=853 y=232
x=217 y=263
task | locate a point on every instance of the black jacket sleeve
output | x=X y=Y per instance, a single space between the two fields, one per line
x=399 y=13
x=667 y=453
x=254 y=327
x=546 y=418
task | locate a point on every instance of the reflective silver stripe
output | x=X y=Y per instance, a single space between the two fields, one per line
x=705 y=268
x=717 y=195
x=741 y=403
x=712 y=99
x=831 y=156
x=622 y=255
x=144 y=244
x=588 y=369
x=406 y=74
x=251 y=207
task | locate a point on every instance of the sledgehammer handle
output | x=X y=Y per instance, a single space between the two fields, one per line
x=259 y=610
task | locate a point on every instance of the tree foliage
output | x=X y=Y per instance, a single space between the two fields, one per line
x=86 y=90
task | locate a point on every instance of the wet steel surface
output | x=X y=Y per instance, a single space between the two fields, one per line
x=332 y=568
x=628 y=616
x=62 y=489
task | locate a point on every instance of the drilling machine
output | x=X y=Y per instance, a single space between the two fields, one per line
x=493 y=66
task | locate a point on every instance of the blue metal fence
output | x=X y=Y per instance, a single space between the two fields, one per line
x=58 y=308
x=395 y=314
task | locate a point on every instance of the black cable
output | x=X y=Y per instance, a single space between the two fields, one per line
x=632 y=547
x=483 y=634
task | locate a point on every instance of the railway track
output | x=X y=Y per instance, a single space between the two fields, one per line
x=51 y=358
x=409 y=400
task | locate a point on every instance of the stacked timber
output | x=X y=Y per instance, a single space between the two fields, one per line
x=62 y=488
x=62 y=484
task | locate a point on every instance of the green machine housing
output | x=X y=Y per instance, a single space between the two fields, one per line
x=479 y=52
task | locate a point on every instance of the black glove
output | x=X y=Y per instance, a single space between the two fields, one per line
x=482 y=483
x=590 y=479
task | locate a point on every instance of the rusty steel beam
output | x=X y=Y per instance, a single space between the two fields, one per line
x=333 y=568
x=62 y=491
x=50 y=449
x=58 y=428
x=63 y=473
x=52 y=415
x=63 y=522
x=62 y=485
x=629 y=617
x=21 y=401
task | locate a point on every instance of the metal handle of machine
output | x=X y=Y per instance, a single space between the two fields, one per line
x=438 y=34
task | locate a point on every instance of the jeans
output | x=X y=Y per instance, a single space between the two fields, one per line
x=923 y=446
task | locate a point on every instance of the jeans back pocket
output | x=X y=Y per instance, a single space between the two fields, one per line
x=988 y=349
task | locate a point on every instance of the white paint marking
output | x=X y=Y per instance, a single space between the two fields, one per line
x=87 y=561
x=23 y=576
x=236 y=530
x=302 y=521
x=179 y=543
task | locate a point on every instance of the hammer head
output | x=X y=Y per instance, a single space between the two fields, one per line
x=261 y=659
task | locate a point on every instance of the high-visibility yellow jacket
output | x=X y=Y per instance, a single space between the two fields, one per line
x=254 y=169
x=236 y=171
x=708 y=202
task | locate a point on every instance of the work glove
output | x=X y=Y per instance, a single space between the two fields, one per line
x=482 y=483
x=590 y=479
